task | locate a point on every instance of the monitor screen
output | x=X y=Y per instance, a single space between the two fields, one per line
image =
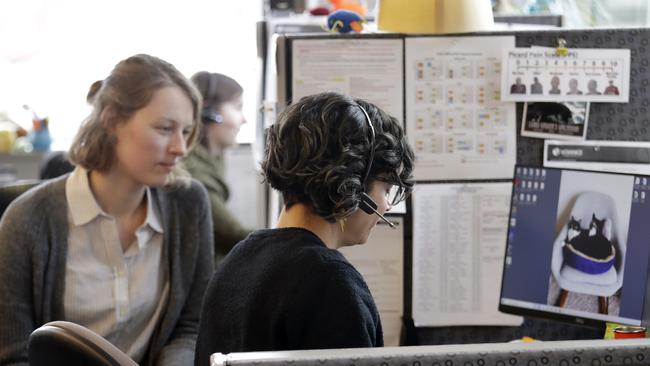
x=578 y=246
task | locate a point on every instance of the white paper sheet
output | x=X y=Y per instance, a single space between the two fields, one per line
x=538 y=74
x=459 y=241
x=608 y=156
x=455 y=120
x=380 y=262
x=370 y=69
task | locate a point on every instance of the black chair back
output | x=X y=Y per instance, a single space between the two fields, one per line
x=11 y=191
x=66 y=343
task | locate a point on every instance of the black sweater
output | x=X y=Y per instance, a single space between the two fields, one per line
x=283 y=289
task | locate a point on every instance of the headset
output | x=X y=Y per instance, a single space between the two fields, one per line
x=366 y=203
x=209 y=114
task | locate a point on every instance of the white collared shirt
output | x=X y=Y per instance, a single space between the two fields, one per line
x=119 y=295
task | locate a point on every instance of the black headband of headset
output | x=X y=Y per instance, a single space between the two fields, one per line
x=209 y=114
x=372 y=145
x=366 y=204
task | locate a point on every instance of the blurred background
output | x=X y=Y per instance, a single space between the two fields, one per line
x=51 y=51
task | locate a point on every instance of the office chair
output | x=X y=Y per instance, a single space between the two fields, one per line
x=11 y=191
x=66 y=343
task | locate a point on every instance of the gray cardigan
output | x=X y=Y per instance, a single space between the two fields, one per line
x=33 y=251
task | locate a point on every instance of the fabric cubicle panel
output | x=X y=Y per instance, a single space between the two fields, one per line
x=608 y=121
x=601 y=352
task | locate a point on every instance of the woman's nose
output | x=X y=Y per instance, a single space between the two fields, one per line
x=178 y=145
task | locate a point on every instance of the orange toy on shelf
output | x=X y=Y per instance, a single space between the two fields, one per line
x=351 y=5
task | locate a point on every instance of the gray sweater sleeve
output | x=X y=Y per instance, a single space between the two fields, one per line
x=33 y=248
x=198 y=263
x=18 y=287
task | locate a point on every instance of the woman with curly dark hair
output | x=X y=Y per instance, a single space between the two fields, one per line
x=336 y=161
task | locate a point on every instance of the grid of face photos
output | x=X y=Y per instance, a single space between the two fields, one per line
x=557 y=89
x=542 y=74
x=556 y=86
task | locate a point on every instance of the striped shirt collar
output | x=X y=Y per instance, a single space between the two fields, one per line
x=84 y=207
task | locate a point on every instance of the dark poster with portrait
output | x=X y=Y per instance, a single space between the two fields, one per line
x=560 y=121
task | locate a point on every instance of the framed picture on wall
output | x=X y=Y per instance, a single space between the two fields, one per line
x=559 y=121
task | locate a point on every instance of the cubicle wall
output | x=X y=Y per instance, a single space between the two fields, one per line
x=590 y=353
x=607 y=121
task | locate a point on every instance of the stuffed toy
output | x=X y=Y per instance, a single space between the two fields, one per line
x=344 y=21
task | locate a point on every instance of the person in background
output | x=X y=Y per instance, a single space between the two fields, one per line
x=592 y=87
x=555 y=85
x=573 y=88
x=123 y=244
x=518 y=87
x=611 y=89
x=222 y=117
x=536 y=87
x=290 y=288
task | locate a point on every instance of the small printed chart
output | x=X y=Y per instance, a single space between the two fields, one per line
x=455 y=119
x=582 y=75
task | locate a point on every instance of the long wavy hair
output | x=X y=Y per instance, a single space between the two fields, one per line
x=318 y=153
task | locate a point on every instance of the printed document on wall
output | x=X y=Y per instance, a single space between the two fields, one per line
x=455 y=119
x=538 y=74
x=459 y=242
x=380 y=262
x=370 y=69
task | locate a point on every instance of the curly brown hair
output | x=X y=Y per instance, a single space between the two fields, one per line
x=318 y=151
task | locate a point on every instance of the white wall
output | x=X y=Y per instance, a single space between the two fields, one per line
x=51 y=51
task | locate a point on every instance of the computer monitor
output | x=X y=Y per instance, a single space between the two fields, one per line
x=578 y=246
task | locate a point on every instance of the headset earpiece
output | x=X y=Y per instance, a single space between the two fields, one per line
x=209 y=115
